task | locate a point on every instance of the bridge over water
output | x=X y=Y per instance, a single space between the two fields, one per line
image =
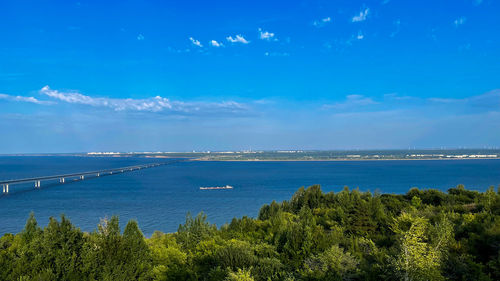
x=37 y=181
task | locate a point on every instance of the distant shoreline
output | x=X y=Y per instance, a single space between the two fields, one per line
x=290 y=156
x=334 y=160
x=249 y=160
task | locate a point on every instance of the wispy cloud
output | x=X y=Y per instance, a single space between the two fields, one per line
x=23 y=99
x=397 y=24
x=266 y=35
x=322 y=22
x=237 y=39
x=432 y=33
x=140 y=37
x=460 y=21
x=360 y=35
x=352 y=102
x=214 y=43
x=340 y=45
x=445 y=100
x=178 y=51
x=464 y=47
x=195 y=42
x=489 y=101
x=276 y=54
x=396 y=97
x=361 y=16
x=154 y=104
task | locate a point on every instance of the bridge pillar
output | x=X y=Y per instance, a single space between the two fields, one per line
x=82 y=177
x=3 y=187
x=98 y=174
x=61 y=180
x=6 y=188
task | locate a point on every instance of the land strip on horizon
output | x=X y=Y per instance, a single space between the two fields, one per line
x=301 y=155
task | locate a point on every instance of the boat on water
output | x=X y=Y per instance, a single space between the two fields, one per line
x=216 y=187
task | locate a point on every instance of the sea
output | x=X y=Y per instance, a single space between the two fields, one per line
x=159 y=198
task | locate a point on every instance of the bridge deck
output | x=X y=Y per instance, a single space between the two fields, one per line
x=5 y=183
x=77 y=174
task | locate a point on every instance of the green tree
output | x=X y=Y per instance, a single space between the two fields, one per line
x=333 y=264
x=62 y=245
x=194 y=230
x=240 y=275
x=169 y=261
x=417 y=260
x=136 y=253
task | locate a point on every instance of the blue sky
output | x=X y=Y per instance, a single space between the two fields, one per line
x=233 y=75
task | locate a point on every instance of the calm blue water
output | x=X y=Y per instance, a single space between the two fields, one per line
x=160 y=197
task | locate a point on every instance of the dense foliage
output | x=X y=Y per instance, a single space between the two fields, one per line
x=349 y=235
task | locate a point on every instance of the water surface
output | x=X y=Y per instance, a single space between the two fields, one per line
x=160 y=197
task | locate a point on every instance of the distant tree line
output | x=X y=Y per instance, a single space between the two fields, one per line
x=349 y=235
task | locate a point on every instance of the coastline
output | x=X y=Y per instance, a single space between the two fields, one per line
x=335 y=160
x=250 y=160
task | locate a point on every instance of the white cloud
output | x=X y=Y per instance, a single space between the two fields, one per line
x=396 y=97
x=140 y=37
x=238 y=39
x=155 y=104
x=360 y=35
x=266 y=35
x=276 y=54
x=458 y=22
x=352 y=102
x=195 y=42
x=322 y=22
x=23 y=99
x=445 y=100
x=489 y=99
x=362 y=15
x=214 y=43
